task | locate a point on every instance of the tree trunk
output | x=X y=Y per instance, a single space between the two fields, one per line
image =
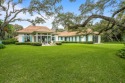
x=2 y=34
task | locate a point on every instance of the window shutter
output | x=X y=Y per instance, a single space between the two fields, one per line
x=30 y=38
x=23 y=38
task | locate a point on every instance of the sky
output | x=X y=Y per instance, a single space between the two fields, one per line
x=67 y=7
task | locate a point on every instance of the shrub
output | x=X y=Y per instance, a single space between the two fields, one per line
x=23 y=43
x=29 y=43
x=9 y=41
x=88 y=42
x=58 y=43
x=121 y=53
x=2 y=46
x=36 y=44
x=69 y=42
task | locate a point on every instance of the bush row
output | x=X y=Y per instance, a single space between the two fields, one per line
x=89 y=42
x=2 y=46
x=29 y=43
x=60 y=43
x=68 y=42
x=9 y=41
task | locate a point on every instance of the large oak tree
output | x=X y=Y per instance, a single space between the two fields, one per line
x=10 y=13
x=93 y=9
x=99 y=8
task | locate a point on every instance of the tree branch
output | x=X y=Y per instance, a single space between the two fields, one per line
x=112 y=20
x=7 y=10
x=3 y=7
x=116 y=12
x=109 y=19
x=94 y=16
x=13 y=11
x=106 y=29
x=113 y=15
x=12 y=19
x=16 y=13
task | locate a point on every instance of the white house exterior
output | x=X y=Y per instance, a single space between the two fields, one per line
x=36 y=34
x=45 y=35
x=87 y=36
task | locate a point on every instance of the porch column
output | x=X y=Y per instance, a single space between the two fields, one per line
x=41 y=38
x=51 y=38
x=99 y=39
x=32 y=38
x=36 y=37
x=47 y=38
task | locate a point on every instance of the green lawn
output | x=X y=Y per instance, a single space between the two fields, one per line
x=69 y=63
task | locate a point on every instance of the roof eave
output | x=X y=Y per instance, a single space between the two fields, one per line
x=44 y=31
x=24 y=32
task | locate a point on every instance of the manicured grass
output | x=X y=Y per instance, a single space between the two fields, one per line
x=69 y=63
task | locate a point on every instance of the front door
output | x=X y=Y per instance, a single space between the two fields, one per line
x=95 y=38
x=44 y=39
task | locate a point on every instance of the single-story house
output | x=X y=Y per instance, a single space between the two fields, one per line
x=75 y=36
x=45 y=35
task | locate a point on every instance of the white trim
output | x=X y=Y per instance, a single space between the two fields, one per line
x=99 y=38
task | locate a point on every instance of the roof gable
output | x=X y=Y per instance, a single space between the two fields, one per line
x=31 y=29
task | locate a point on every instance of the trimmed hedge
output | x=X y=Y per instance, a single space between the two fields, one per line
x=29 y=43
x=23 y=43
x=37 y=44
x=69 y=42
x=9 y=41
x=58 y=43
x=89 y=42
x=2 y=46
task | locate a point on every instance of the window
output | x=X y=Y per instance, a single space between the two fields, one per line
x=65 y=38
x=61 y=38
x=53 y=38
x=27 y=38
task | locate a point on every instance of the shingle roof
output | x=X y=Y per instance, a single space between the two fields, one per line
x=65 y=33
x=74 y=33
x=31 y=29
